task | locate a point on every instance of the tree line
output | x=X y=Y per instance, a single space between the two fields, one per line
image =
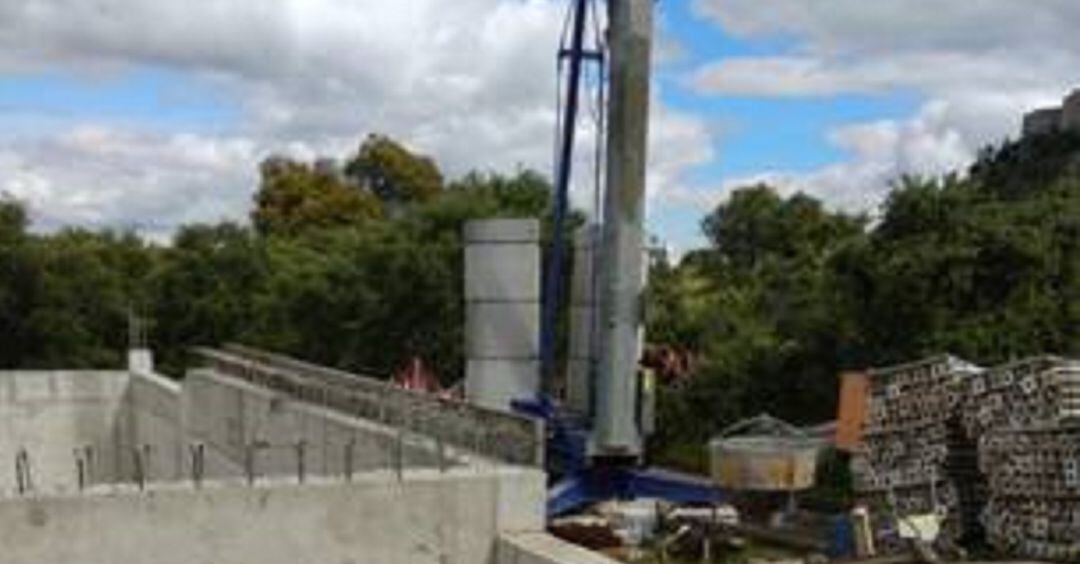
x=358 y=264
x=983 y=264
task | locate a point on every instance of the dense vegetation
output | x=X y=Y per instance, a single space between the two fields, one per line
x=360 y=266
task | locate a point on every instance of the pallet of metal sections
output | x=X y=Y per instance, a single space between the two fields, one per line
x=915 y=458
x=913 y=396
x=1034 y=475
x=1033 y=391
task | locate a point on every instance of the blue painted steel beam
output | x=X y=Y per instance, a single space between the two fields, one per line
x=553 y=282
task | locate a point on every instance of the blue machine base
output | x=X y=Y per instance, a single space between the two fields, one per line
x=584 y=483
x=623 y=483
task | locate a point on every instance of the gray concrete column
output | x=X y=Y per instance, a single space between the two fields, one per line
x=502 y=311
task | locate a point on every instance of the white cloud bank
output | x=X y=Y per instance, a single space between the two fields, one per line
x=471 y=82
x=978 y=66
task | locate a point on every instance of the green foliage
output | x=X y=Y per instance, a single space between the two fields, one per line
x=205 y=288
x=788 y=294
x=18 y=279
x=294 y=197
x=363 y=270
x=85 y=286
x=392 y=172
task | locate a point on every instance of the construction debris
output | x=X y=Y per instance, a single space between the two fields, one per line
x=916 y=459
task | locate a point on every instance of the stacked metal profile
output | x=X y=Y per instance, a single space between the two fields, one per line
x=915 y=458
x=1027 y=415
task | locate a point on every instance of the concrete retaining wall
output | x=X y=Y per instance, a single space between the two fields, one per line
x=53 y=414
x=228 y=415
x=428 y=518
x=155 y=418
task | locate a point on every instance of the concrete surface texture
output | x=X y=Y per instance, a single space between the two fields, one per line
x=120 y=427
x=230 y=416
x=502 y=312
x=542 y=548
x=427 y=517
x=50 y=416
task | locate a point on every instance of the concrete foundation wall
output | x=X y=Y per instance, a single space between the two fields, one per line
x=427 y=518
x=50 y=415
x=228 y=415
x=115 y=422
x=155 y=418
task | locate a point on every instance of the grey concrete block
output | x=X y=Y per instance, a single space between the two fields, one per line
x=524 y=230
x=505 y=330
x=502 y=272
x=495 y=383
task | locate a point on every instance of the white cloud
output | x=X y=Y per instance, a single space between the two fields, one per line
x=471 y=82
x=881 y=151
x=978 y=66
x=100 y=177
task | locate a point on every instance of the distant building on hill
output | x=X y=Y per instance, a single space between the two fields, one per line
x=1054 y=119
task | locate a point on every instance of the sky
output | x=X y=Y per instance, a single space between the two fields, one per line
x=146 y=115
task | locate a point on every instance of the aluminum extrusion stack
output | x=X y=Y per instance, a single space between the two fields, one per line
x=1031 y=392
x=915 y=458
x=1034 y=473
x=1027 y=415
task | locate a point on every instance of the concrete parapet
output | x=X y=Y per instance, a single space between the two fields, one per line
x=507 y=437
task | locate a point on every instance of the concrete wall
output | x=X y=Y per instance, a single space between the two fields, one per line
x=452 y=518
x=154 y=418
x=53 y=414
x=112 y=419
x=227 y=415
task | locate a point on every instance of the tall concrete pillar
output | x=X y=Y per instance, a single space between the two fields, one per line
x=502 y=311
x=581 y=361
x=615 y=431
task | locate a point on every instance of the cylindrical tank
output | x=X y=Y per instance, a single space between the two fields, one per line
x=502 y=311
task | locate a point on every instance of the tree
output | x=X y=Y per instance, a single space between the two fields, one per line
x=18 y=279
x=393 y=173
x=205 y=290
x=85 y=288
x=294 y=197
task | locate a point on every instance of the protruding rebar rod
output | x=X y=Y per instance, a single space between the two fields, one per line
x=198 y=463
x=22 y=471
x=301 y=457
x=350 y=449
